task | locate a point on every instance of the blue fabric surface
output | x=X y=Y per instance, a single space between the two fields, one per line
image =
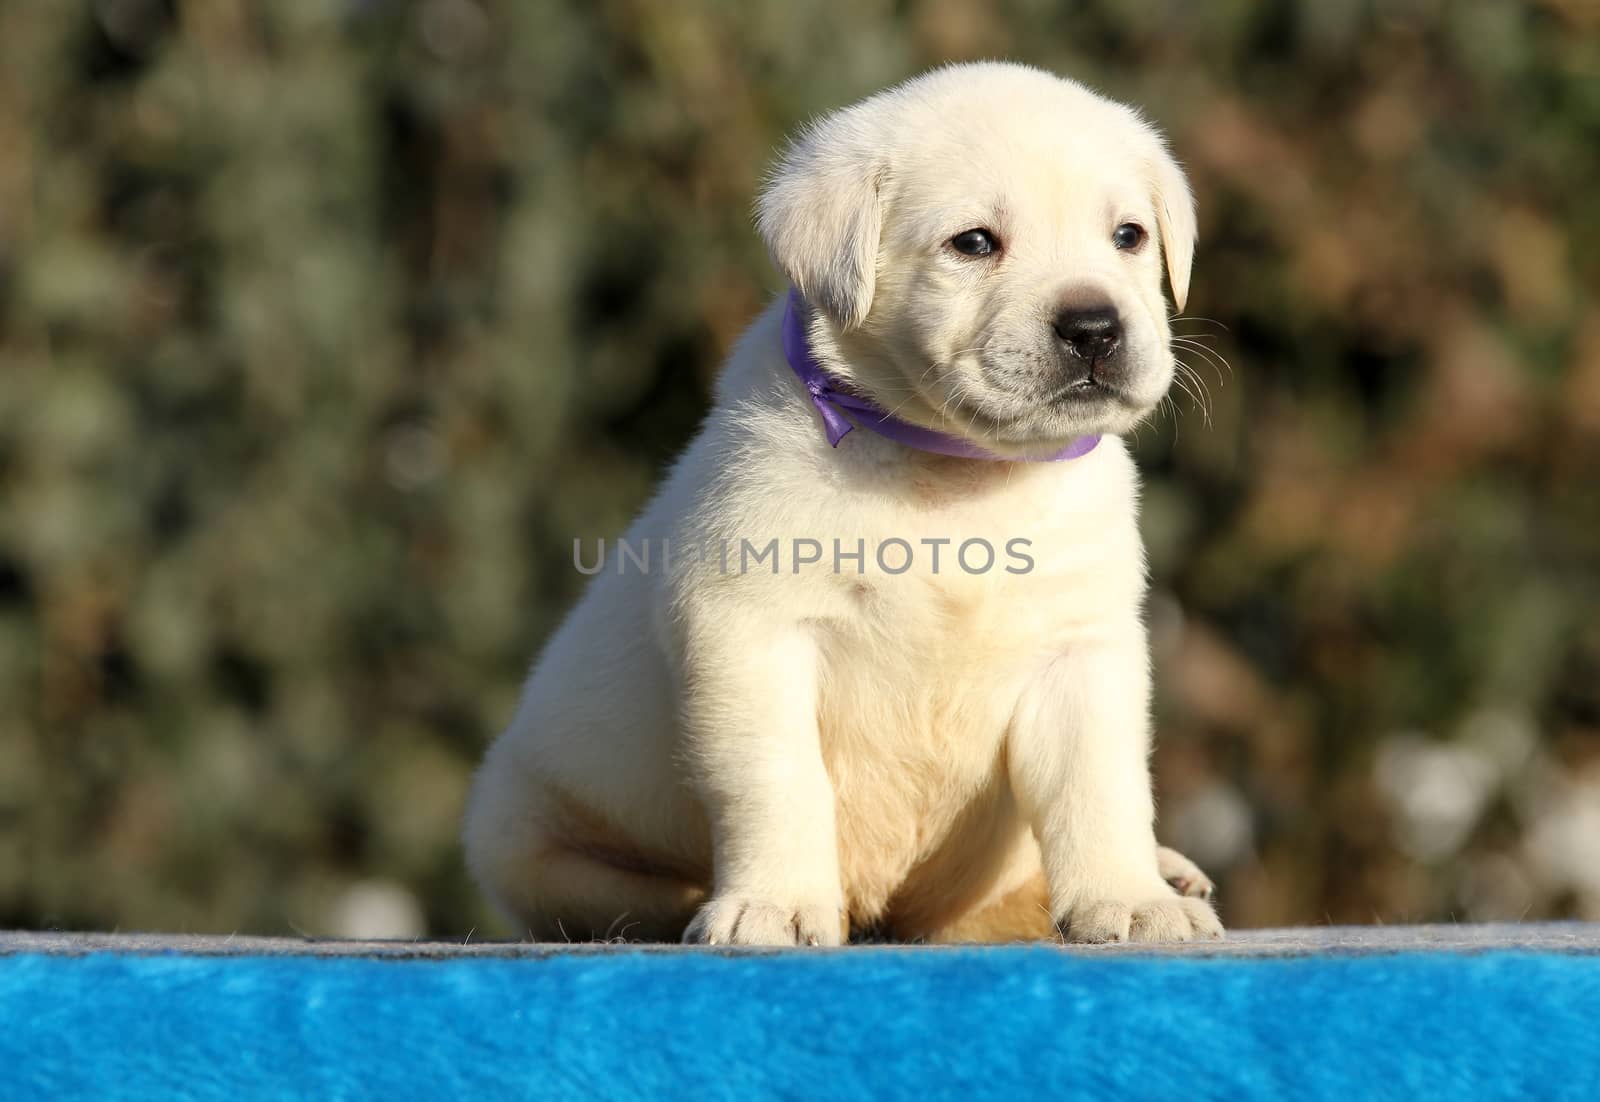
x=1000 y=1023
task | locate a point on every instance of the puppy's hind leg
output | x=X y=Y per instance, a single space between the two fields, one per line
x=1183 y=874
x=568 y=896
x=557 y=874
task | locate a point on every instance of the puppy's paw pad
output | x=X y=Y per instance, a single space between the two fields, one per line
x=736 y=921
x=1183 y=874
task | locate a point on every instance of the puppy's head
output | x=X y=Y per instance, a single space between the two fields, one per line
x=985 y=245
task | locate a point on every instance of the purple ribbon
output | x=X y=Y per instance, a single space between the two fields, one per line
x=833 y=403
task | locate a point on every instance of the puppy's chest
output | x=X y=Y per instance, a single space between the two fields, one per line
x=955 y=590
x=925 y=666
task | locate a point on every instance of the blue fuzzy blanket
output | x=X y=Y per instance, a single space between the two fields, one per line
x=868 y=1023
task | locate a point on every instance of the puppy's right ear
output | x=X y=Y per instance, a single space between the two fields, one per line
x=1175 y=215
x=820 y=215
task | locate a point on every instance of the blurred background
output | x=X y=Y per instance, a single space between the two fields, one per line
x=325 y=326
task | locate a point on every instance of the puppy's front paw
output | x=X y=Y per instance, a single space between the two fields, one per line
x=1162 y=918
x=735 y=921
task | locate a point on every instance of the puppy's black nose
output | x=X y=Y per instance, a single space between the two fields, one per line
x=1090 y=333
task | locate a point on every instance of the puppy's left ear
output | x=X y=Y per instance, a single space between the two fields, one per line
x=1175 y=215
x=821 y=216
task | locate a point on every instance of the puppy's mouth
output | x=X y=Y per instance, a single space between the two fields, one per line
x=1026 y=420
x=1086 y=390
x=1018 y=412
x=1029 y=384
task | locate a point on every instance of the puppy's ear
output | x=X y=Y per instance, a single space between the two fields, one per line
x=1175 y=214
x=820 y=215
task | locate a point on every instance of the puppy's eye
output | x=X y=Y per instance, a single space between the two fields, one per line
x=974 y=243
x=1129 y=235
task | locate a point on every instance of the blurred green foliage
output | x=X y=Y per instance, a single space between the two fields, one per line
x=326 y=326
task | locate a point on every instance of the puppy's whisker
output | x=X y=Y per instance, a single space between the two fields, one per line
x=961 y=392
x=973 y=430
x=914 y=391
x=1137 y=429
x=1196 y=387
x=1181 y=374
x=1197 y=339
x=1212 y=356
x=1177 y=421
x=1184 y=377
x=1195 y=374
x=1205 y=388
x=1184 y=386
x=1197 y=317
x=944 y=406
x=1204 y=339
x=1172 y=413
x=972 y=420
x=903 y=403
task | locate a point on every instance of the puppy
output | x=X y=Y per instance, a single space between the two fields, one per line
x=873 y=659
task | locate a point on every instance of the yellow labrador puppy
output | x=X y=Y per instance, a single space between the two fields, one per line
x=873 y=659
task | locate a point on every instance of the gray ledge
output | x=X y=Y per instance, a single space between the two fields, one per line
x=1305 y=941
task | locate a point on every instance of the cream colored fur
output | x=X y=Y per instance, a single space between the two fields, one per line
x=767 y=757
